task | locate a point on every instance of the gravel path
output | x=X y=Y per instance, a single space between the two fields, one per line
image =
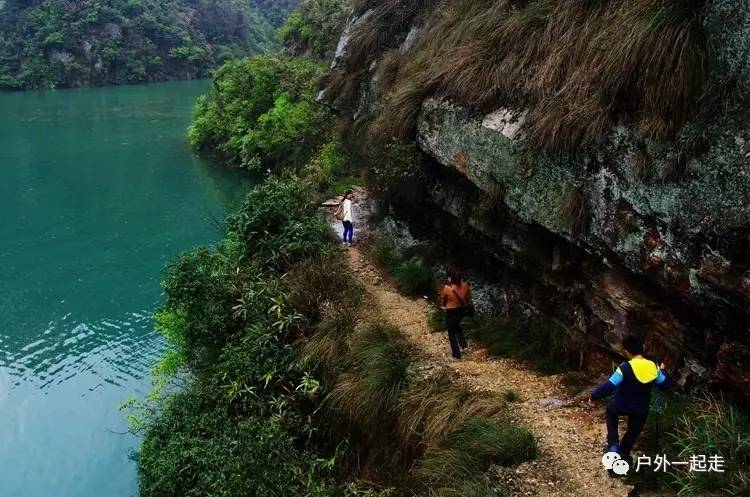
x=570 y=436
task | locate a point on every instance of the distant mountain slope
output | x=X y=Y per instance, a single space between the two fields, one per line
x=275 y=11
x=62 y=43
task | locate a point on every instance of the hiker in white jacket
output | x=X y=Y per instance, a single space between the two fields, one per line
x=348 y=218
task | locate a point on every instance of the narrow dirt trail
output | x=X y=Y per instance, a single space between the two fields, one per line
x=570 y=436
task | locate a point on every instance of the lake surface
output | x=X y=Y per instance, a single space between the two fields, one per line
x=98 y=191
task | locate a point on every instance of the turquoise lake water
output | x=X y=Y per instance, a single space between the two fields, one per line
x=98 y=191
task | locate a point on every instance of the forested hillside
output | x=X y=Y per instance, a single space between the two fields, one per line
x=60 y=43
x=275 y=11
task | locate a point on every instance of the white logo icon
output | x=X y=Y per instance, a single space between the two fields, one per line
x=613 y=461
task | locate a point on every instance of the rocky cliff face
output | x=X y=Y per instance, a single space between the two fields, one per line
x=626 y=229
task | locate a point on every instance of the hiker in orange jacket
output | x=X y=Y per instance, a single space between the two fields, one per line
x=456 y=301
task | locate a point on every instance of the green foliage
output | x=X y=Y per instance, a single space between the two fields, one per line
x=55 y=43
x=327 y=165
x=414 y=278
x=714 y=427
x=284 y=136
x=235 y=429
x=260 y=114
x=545 y=345
x=275 y=225
x=172 y=325
x=195 y=449
x=697 y=425
x=314 y=27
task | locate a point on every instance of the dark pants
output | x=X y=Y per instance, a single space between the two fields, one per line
x=348 y=231
x=636 y=422
x=453 y=318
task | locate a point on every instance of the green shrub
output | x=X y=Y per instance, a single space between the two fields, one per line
x=195 y=449
x=326 y=167
x=386 y=254
x=275 y=225
x=200 y=287
x=414 y=278
x=260 y=114
x=240 y=426
x=284 y=137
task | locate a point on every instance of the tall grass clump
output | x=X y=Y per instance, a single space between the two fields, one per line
x=398 y=118
x=467 y=454
x=542 y=343
x=385 y=20
x=713 y=427
x=435 y=406
x=316 y=287
x=414 y=278
x=367 y=394
x=328 y=346
x=701 y=424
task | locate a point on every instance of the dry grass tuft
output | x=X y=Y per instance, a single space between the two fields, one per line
x=387 y=19
x=641 y=164
x=343 y=88
x=579 y=67
x=582 y=66
x=388 y=70
x=329 y=345
x=398 y=118
x=432 y=408
x=573 y=210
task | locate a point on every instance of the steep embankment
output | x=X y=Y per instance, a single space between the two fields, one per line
x=53 y=44
x=591 y=155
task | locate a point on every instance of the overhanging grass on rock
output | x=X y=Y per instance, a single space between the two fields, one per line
x=579 y=67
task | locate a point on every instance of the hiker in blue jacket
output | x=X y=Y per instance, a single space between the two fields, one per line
x=631 y=385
